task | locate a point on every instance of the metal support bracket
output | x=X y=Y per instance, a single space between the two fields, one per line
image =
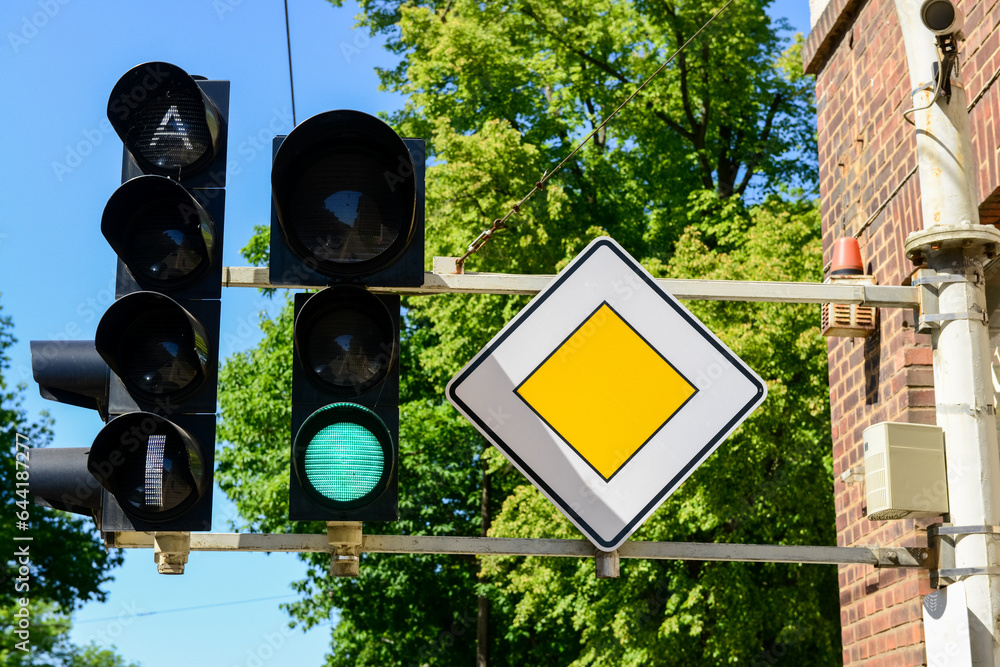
x=942 y=537
x=915 y=557
x=344 y=538
x=170 y=551
x=943 y=529
x=607 y=564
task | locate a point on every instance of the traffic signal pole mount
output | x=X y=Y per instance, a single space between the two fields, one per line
x=955 y=249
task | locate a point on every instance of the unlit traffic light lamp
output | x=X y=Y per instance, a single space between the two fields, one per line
x=172 y=124
x=347 y=214
x=346 y=341
x=347 y=204
x=158 y=470
x=167 y=237
x=164 y=354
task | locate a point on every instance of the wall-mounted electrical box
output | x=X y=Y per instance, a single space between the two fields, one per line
x=905 y=472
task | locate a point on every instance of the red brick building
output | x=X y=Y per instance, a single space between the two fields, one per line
x=869 y=189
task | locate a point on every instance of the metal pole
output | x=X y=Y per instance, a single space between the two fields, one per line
x=956 y=247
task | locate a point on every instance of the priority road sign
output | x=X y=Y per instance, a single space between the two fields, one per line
x=606 y=392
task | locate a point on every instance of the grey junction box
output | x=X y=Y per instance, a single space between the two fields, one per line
x=905 y=472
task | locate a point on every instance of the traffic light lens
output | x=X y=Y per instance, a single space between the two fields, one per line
x=159 y=356
x=167 y=122
x=343 y=456
x=168 y=243
x=161 y=232
x=171 y=132
x=346 y=348
x=344 y=462
x=346 y=339
x=344 y=209
x=345 y=196
x=165 y=478
x=155 y=469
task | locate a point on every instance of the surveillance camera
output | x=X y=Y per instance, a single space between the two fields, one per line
x=941 y=17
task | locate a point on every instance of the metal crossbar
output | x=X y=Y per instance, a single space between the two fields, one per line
x=876 y=296
x=904 y=557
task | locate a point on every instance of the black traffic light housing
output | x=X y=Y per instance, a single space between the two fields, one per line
x=167 y=237
x=347 y=214
x=59 y=479
x=160 y=338
x=158 y=471
x=164 y=354
x=151 y=370
x=71 y=372
x=345 y=379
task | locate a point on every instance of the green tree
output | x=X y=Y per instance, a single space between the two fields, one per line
x=68 y=564
x=502 y=92
x=770 y=482
x=50 y=644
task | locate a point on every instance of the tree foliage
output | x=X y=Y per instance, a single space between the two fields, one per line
x=502 y=92
x=68 y=564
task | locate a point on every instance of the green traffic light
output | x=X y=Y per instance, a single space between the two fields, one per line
x=344 y=461
x=344 y=455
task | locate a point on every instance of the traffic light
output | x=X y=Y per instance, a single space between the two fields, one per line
x=152 y=368
x=347 y=214
x=161 y=336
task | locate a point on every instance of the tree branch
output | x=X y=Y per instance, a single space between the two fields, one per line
x=765 y=134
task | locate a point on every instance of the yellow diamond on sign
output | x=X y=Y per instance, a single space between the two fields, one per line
x=605 y=391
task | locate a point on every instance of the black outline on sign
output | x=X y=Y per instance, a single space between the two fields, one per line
x=682 y=312
x=560 y=346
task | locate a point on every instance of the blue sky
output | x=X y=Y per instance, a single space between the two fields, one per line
x=58 y=63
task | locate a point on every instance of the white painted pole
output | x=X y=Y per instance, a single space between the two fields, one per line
x=954 y=245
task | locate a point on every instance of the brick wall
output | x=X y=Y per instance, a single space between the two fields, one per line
x=866 y=155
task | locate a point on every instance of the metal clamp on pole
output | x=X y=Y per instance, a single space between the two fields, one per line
x=929 y=278
x=942 y=538
x=937 y=318
x=928 y=281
